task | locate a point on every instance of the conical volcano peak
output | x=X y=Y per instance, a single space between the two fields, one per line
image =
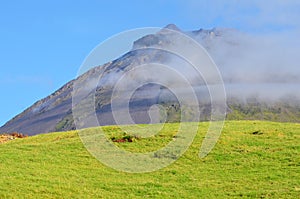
x=172 y=27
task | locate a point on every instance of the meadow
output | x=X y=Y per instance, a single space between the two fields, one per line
x=252 y=159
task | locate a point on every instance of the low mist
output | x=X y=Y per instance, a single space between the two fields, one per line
x=265 y=65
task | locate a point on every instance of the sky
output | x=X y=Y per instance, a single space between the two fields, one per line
x=43 y=43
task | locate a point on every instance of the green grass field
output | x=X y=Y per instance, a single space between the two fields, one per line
x=242 y=165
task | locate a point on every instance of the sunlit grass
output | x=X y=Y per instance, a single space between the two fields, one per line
x=244 y=164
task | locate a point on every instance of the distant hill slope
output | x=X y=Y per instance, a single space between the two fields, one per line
x=54 y=113
x=252 y=159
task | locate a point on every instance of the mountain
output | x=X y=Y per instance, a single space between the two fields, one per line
x=54 y=113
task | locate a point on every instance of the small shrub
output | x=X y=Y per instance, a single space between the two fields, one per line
x=18 y=135
x=125 y=138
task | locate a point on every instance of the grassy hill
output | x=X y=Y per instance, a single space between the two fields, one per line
x=252 y=159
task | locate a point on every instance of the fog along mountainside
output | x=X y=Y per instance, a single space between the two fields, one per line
x=260 y=73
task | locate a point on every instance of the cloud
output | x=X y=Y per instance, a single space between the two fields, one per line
x=247 y=15
x=260 y=64
x=266 y=59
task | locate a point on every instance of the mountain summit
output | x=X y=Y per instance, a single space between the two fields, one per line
x=172 y=27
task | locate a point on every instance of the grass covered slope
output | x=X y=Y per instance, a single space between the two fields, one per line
x=252 y=159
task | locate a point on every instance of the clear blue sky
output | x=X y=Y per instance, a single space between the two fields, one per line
x=43 y=43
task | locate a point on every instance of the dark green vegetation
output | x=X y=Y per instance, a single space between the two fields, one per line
x=250 y=109
x=252 y=159
x=285 y=110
